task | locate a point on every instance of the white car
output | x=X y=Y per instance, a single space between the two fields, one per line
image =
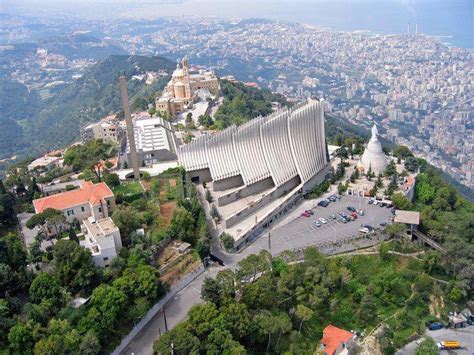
x=323 y=221
x=364 y=230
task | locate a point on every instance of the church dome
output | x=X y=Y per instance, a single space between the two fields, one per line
x=374 y=157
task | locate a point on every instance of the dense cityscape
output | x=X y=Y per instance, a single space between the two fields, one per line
x=418 y=89
x=212 y=185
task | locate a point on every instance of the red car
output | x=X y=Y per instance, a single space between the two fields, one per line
x=354 y=214
x=305 y=214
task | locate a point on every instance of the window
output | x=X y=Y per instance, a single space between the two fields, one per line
x=100 y=209
x=70 y=212
x=106 y=258
x=82 y=209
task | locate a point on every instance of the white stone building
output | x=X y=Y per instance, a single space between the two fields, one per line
x=102 y=238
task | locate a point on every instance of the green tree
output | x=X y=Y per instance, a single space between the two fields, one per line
x=110 y=303
x=402 y=152
x=400 y=201
x=45 y=287
x=208 y=196
x=184 y=342
x=182 y=225
x=211 y=291
x=127 y=220
x=227 y=241
x=90 y=345
x=427 y=347
x=73 y=266
x=20 y=339
x=112 y=180
x=391 y=169
x=303 y=313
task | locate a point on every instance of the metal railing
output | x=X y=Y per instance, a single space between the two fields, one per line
x=157 y=307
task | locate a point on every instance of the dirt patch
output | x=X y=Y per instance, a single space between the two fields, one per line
x=172 y=183
x=176 y=272
x=436 y=306
x=166 y=211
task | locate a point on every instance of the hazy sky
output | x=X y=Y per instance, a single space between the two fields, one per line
x=437 y=17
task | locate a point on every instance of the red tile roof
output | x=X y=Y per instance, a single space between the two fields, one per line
x=333 y=337
x=88 y=193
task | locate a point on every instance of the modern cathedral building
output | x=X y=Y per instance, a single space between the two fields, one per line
x=257 y=171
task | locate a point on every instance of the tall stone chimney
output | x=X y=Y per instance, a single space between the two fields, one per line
x=129 y=123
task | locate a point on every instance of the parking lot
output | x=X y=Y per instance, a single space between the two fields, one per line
x=464 y=335
x=302 y=232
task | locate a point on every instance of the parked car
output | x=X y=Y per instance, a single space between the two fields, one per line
x=344 y=215
x=323 y=203
x=364 y=230
x=343 y=220
x=317 y=224
x=435 y=326
x=350 y=208
x=371 y=201
x=309 y=212
x=323 y=220
x=383 y=224
x=305 y=214
x=393 y=210
x=333 y=216
x=368 y=226
x=360 y=212
x=382 y=204
x=354 y=215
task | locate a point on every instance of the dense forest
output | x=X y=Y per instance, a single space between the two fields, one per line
x=279 y=306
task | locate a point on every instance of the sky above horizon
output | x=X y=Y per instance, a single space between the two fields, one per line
x=434 y=17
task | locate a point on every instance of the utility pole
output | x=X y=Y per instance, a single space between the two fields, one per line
x=270 y=243
x=164 y=316
x=129 y=124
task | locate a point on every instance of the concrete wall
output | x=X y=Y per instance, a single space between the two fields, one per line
x=260 y=186
x=229 y=183
x=203 y=175
x=268 y=221
x=262 y=202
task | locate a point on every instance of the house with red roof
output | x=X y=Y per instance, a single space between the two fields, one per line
x=336 y=341
x=91 y=200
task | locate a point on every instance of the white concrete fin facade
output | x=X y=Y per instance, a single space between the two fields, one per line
x=221 y=155
x=262 y=168
x=250 y=153
x=276 y=143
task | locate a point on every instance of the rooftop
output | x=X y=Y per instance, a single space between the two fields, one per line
x=333 y=337
x=407 y=217
x=100 y=228
x=88 y=193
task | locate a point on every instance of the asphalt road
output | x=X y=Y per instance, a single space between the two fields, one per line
x=297 y=233
x=464 y=335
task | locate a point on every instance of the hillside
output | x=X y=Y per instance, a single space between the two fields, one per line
x=57 y=122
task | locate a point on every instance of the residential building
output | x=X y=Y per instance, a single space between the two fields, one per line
x=336 y=341
x=91 y=200
x=53 y=189
x=47 y=162
x=102 y=238
x=107 y=129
